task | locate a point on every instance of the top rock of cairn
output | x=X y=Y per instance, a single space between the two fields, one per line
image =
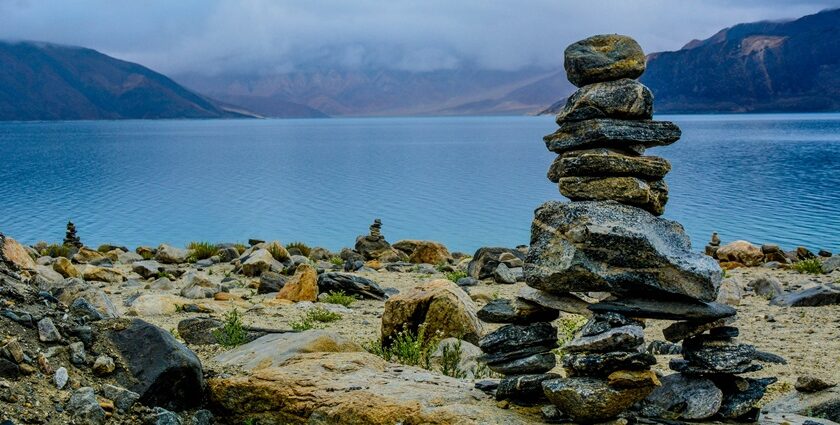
x=606 y=126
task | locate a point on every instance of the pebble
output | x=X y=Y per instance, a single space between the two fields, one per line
x=47 y=332
x=103 y=365
x=61 y=377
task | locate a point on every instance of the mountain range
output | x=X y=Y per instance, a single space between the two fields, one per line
x=755 y=67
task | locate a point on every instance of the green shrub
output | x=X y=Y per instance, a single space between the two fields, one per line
x=231 y=334
x=457 y=274
x=336 y=261
x=322 y=315
x=56 y=250
x=147 y=255
x=202 y=250
x=302 y=325
x=339 y=297
x=407 y=348
x=567 y=327
x=304 y=249
x=811 y=266
x=450 y=361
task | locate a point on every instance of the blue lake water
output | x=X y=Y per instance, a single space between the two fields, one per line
x=464 y=181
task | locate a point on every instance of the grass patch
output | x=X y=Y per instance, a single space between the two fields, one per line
x=336 y=261
x=302 y=325
x=202 y=250
x=810 y=266
x=240 y=248
x=339 y=297
x=457 y=274
x=231 y=333
x=450 y=361
x=56 y=250
x=322 y=315
x=147 y=255
x=567 y=327
x=408 y=348
x=304 y=249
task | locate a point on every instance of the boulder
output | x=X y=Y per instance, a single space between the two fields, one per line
x=440 y=306
x=420 y=252
x=468 y=355
x=197 y=285
x=566 y=302
x=350 y=284
x=607 y=163
x=86 y=255
x=147 y=268
x=517 y=311
x=650 y=196
x=504 y=275
x=610 y=247
x=811 y=384
x=730 y=292
x=831 y=264
x=375 y=248
x=199 y=330
x=741 y=252
x=154 y=365
x=103 y=274
x=154 y=305
x=513 y=342
x=766 y=286
x=590 y=400
x=65 y=268
x=257 y=262
x=603 y=58
x=168 y=254
x=634 y=136
x=84 y=407
x=624 y=99
x=486 y=260
x=270 y=282
x=683 y=397
x=740 y=395
x=14 y=254
x=823 y=404
x=303 y=286
x=72 y=289
x=811 y=297
x=273 y=350
x=278 y=251
x=526 y=390
x=679 y=331
x=357 y=388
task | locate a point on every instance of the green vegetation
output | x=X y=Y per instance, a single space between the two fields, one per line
x=147 y=255
x=336 y=261
x=567 y=327
x=277 y=251
x=304 y=249
x=103 y=248
x=231 y=334
x=322 y=315
x=339 y=297
x=457 y=274
x=56 y=250
x=240 y=247
x=450 y=361
x=407 y=348
x=165 y=274
x=811 y=266
x=201 y=250
x=302 y=325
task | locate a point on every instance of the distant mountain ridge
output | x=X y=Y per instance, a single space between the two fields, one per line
x=790 y=66
x=42 y=81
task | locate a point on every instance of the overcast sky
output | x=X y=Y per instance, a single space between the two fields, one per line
x=266 y=36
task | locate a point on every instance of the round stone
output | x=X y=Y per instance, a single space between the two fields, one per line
x=604 y=58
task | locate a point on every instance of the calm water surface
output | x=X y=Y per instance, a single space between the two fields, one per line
x=467 y=182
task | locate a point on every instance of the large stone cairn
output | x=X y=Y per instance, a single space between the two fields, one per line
x=609 y=244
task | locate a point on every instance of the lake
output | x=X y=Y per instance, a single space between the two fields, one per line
x=464 y=181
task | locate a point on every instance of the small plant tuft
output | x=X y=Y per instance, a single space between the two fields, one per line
x=336 y=261
x=567 y=327
x=408 y=348
x=811 y=266
x=231 y=334
x=450 y=360
x=304 y=249
x=56 y=250
x=240 y=248
x=339 y=297
x=202 y=250
x=322 y=315
x=457 y=274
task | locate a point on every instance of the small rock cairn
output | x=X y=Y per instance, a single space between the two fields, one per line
x=376 y=229
x=70 y=237
x=607 y=255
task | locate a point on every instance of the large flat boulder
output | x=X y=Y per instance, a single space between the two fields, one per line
x=274 y=349
x=353 y=388
x=14 y=254
x=610 y=247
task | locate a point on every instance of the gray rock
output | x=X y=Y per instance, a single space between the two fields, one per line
x=679 y=331
x=831 y=264
x=536 y=363
x=603 y=364
x=603 y=58
x=103 y=365
x=591 y=400
x=159 y=368
x=47 y=332
x=467 y=281
x=227 y=254
x=84 y=407
x=162 y=284
x=161 y=416
x=503 y=275
x=197 y=285
x=623 y=338
x=811 y=384
x=565 y=302
x=257 y=262
x=82 y=308
x=633 y=136
x=740 y=396
x=683 y=397
x=607 y=163
x=811 y=297
x=147 y=268
x=610 y=247
x=664 y=347
x=671 y=310
x=271 y=282
x=202 y=417
x=603 y=322
x=123 y=399
x=513 y=337
x=823 y=404
x=199 y=330
x=649 y=195
x=60 y=377
x=77 y=353
x=168 y=254
x=518 y=311
x=717 y=356
x=350 y=284
x=485 y=261
x=624 y=99
x=524 y=390
x=766 y=286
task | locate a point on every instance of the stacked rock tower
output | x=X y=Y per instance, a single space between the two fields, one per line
x=609 y=245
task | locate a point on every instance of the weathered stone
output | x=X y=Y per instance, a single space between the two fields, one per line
x=303 y=286
x=524 y=390
x=565 y=302
x=689 y=369
x=47 y=332
x=373 y=247
x=831 y=264
x=608 y=163
x=607 y=246
x=487 y=259
x=535 y=363
x=168 y=254
x=270 y=282
x=624 y=99
x=123 y=399
x=440 y=305
x=273 y=350
x=103 y=274
x=517 y=311
x=741 y=252
x=603 y=364
x=590 y=400
x=823 y=404
x=682 y=397
x=514 y=337
x=603 y=322
x=811 y=297
x=147 y=268
x=86 y=255
x=155 y=365
x=739 y=402
x=679 y=331
x=811 y=384
x=503 y=275
x=720 y=356
x=467 y=356
x=103 y=365
x=8 y=369
x=650 y=196
x=15 y=254
x=197 y=285
x=84 y=407
x=603 y=58
x=634 y=136
x=633 y=379
x=670 y=310
x=65 y=268
x=730 y=292
x=350 y=284
x=623 y=338
x=256 y=262
x=199 y=330
x=427 y=252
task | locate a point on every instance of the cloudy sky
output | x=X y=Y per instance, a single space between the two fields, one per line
x=267 y=36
